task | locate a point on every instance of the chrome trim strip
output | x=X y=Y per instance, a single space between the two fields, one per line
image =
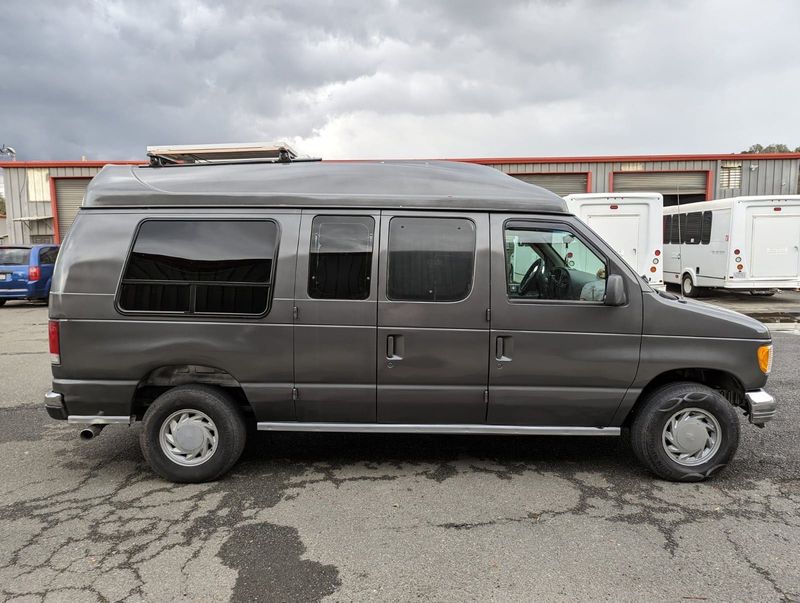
x=100 y=419
x=436 y=428
x=762 y=406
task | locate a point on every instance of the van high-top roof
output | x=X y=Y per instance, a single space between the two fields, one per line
x=442 y=185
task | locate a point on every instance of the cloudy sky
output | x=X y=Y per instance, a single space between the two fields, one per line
x=346 y=79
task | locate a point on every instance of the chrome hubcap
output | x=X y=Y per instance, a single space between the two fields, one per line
x=188 y=437
x=691 y=436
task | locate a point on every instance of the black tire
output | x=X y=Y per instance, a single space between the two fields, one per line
x=231 y=432
x=647 y=430
x=688 y=288
x=2 y=303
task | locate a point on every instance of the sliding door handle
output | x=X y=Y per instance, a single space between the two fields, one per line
x=395 y=345
x=504 y=348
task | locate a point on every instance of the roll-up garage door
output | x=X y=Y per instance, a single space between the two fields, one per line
x=560 y=184
x=666 y=183
x=69 y=196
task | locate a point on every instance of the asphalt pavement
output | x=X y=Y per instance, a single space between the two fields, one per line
x=347 y=517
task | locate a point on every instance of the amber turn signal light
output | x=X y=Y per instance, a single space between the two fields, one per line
x=765 y=358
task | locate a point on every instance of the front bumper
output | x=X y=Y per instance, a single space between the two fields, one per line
x=761 y=406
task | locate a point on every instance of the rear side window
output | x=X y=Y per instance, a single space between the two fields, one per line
x=705 y=235
x=14 y=256
x=683 y=238
x=200 y=267
x=340 y=257
x=48 y=255
x=675 y=232
x=694 y=225
x=430 y=259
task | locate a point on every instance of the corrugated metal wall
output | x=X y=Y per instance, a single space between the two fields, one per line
x=27 y=193
x=767 y=177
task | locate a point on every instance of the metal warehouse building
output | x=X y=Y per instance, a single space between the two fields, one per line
x=680 y=178
x=42 y=198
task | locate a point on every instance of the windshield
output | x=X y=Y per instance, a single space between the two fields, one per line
x=14 y=256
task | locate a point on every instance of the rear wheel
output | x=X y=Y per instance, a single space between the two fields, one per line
x=192 y=433
x=688 y=287
x=685 y=432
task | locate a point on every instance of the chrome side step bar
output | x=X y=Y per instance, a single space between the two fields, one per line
x=436 y=428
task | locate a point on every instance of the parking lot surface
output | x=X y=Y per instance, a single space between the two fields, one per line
x=360 y=517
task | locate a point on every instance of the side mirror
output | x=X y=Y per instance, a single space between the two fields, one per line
x=615 y=291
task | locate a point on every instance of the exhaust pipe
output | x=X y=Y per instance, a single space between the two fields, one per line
x=90 y=432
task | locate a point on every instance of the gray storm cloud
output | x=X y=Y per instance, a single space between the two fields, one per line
x=398 y=79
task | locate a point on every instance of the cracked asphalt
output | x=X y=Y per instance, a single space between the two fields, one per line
x=343 y=517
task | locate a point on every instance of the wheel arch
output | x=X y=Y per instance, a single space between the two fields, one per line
x=164 y=378
x=724 y=382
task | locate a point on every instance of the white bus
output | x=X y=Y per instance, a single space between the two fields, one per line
x=631 y=223
x=748 y=243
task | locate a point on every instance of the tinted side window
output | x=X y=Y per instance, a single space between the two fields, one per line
x=694 y=225
x=705 y=235
x=430 y=259
x=675 y=233
x=340 y=257
x=46 y=256
x=667 y=225
x=200 y=266
x=683 y=238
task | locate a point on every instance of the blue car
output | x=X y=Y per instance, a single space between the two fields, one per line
x=26 y=271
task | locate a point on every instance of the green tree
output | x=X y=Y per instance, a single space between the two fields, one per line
x=770 y=148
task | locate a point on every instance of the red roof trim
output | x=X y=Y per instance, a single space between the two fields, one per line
x=625 y=158
x=59 y=164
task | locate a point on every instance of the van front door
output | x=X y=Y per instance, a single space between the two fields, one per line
x=433 y=335
x=336 y=316
x=560 y=357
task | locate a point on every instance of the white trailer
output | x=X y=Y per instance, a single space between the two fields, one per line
x=749 y=243
x=630 y=223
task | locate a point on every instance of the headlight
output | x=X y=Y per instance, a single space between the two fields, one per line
x=765 y=358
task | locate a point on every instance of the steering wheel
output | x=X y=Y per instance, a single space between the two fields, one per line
x=560 y=281
x=530 y=276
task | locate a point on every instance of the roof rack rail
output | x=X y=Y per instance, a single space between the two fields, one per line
x=257 y=152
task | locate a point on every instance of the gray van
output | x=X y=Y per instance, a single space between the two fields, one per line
x=393 y=297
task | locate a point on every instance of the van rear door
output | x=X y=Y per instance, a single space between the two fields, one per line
x=775 y=243
x=624 y=233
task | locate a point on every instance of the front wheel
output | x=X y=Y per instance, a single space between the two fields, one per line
x=192 y=433
x=685 y=432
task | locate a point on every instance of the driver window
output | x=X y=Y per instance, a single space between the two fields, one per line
x=552 y=264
